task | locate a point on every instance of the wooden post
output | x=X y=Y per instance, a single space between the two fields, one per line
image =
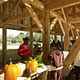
x=75 y=33
x=4 y=39
x=75 y=50
x=31 y=39
x=62 y=46
x=31 y=36
x=46 y=36
x=4 y=45
x=66 y=38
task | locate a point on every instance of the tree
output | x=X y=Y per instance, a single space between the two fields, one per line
x=19 y=38
x=9 y=38
x=27 y=34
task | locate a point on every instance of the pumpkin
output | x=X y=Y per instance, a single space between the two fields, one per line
x=5 y=68
x=11 y=72
x=21 y=67
x=32 y=65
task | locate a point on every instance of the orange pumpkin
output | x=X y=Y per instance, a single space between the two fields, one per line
x=32 y=65
x=11 y=72
x=5 y=68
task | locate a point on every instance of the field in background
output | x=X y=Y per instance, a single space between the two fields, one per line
x=11 y=46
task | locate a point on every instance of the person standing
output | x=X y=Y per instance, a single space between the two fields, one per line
x=58 y=45
x=24 y=50
x=56 y=58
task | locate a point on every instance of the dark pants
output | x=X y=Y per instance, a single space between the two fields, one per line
x=77 y=73
x=56 y=75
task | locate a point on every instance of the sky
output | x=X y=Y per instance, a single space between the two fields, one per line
x=12 y=32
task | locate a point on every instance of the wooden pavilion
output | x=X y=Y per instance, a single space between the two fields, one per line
x=45 y=16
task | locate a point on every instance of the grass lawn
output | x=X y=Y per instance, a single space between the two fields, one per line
x=11 y=46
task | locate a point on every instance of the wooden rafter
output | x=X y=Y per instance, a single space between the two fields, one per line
x=36 y=3
x=71 y=26
x=64 y=14
x=24 y=26
x=2 y=1
x=1 y=22
x=53 y=24
x=53 y=14
x=20 y=25
x=17 y=17
x=61 y=26
x=77 y=27
x=34 y=16
x=77 y=31
x=74 y=20
x=15 y=5
x=57 y=4
x=72 y=31
x=7 y=19
x=75 y=50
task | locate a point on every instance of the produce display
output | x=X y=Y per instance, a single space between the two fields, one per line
x=21 y=68
x=13 y=71
x=32 y=65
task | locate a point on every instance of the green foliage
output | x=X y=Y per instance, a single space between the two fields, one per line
x=27 y=34
x=37 y=37
x=19 y=37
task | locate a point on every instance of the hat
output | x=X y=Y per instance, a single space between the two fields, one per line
x=26 y=38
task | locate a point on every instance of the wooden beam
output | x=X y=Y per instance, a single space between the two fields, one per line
x=34 y=27
x=46 y=36
x=17 y=17
x=34 y=16
x=72 y=32
x=77 y=31
x=57 y=4
x=19 y=25
x=2 y=1
x=53 y=14
x=45 y=1
x=73 y=20
x=4 y=45
x=63 y=14
x=53 y=24
x=31 y=36
x=71 y=26
x=78 y=27
x=66 y=38
x=36 y=3
x=61 y=26
x=75 y=50
x=15 y=5
x=65 y=21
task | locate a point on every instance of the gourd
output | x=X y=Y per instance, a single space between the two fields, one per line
x=32 y=65
x=11 y=72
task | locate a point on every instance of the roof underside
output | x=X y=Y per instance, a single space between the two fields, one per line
x=28 y=14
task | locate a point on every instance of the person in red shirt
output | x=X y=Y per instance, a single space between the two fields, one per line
x=24 y=50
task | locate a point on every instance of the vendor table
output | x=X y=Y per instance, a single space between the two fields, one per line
x=41 y=73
